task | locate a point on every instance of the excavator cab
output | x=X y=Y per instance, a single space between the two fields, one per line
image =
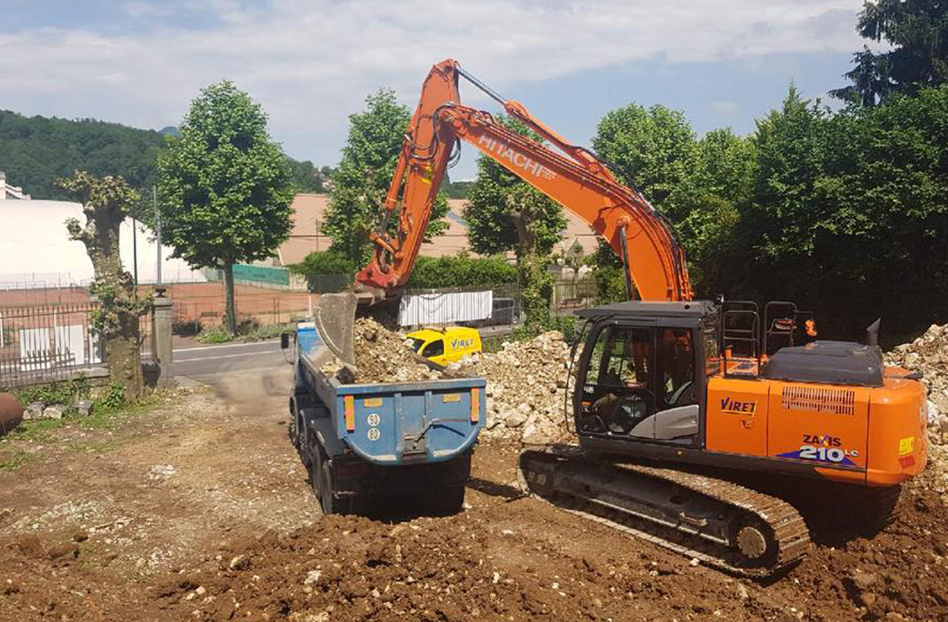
x=641 y=373
x=713 y=384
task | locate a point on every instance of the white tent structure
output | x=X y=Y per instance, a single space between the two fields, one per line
x=36 y=252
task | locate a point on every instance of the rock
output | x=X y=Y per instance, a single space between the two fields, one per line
x=34 y=411
x=867 y=598
x=863 y=580
x=515 y=419
x=312 y=577
x=84 y=407
x=241 y=562
x=53 y=412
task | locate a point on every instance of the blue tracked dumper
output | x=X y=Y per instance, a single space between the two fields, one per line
x=363 y=442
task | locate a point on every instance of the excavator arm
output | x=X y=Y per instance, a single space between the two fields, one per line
x=575 y=178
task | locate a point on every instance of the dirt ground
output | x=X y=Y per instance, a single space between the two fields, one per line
x=198 y=509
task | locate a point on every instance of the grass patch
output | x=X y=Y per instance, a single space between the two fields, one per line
x=246 y=333
x=37 y=430
x=15 y=459
x=104 y=417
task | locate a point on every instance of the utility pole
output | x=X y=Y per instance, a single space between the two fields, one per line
x=154 y=198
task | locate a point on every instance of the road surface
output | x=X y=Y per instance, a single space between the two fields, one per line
x=203 y=361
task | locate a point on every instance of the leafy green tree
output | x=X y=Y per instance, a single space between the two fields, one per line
x=306 y=177
x=706 y=206
x=849 y=214
x=916 y=34
x=503 y=214
x=361 y=182
x=105 y=204
x=648 y=148
x=655 y=149
x=225 y=187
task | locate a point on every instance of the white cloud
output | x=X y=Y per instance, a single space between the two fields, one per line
x=311 y=62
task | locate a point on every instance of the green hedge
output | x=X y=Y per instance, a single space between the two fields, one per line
x=461 y=271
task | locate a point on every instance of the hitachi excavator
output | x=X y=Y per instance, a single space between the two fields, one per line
x=673 y=400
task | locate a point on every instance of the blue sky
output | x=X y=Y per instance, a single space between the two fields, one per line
x=312 y=62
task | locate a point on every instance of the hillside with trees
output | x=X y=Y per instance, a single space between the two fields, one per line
x=36 y=151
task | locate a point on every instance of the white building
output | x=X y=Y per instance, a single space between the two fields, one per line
x=36 y=252
x=11 y=192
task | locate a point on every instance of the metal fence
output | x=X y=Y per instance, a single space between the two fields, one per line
x=53 y=342
x=572 y=294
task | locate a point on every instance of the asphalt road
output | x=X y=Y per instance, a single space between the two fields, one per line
x=200 y=362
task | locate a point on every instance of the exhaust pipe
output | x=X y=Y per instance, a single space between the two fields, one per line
x=872 y=333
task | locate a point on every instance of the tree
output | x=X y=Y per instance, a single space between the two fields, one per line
x=225 y=187
x=706 y=205
x=649 y=148
x=655 y=150
x=916 y=33
x=504 y=213
x=361 y=182
x=105 y=203
x=306 y=177
x=35 y=152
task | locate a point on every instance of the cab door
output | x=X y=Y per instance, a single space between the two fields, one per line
x=639 y=383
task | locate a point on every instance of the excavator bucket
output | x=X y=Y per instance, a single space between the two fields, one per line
x=335 y=323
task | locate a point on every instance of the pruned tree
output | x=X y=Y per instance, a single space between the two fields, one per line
x=225 y=188
x=105 y=203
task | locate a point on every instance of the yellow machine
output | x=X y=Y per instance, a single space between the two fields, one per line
x=447 y=345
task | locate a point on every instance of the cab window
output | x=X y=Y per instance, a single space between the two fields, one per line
x=712 y=348
x=616 y=393
x=435 y=348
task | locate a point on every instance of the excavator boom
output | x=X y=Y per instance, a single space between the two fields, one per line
x=573 y=177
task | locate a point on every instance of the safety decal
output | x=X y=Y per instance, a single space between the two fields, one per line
x=906 y=445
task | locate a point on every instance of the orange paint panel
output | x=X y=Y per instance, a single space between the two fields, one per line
x=822 y=425
x=737 y=416
x=898 y=443
x=475 y=404
x=348 y=405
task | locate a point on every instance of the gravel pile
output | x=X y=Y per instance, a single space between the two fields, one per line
x=380 y=356
x=526 y=386
x=929 y=355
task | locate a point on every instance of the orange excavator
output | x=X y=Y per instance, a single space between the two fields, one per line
x=673 y=400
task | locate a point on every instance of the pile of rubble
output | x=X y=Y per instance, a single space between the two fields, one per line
x=929 y=355
x=380 y=356
x=526 y=388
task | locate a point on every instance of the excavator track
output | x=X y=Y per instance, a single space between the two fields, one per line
x=722 y=524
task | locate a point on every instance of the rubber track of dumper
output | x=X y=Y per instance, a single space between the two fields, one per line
x=789 y=529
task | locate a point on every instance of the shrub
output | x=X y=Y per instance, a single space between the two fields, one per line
x=461 y=271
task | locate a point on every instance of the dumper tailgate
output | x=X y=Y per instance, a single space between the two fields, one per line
x=410 y=422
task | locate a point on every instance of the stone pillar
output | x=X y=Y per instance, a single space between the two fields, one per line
x=161 y=336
